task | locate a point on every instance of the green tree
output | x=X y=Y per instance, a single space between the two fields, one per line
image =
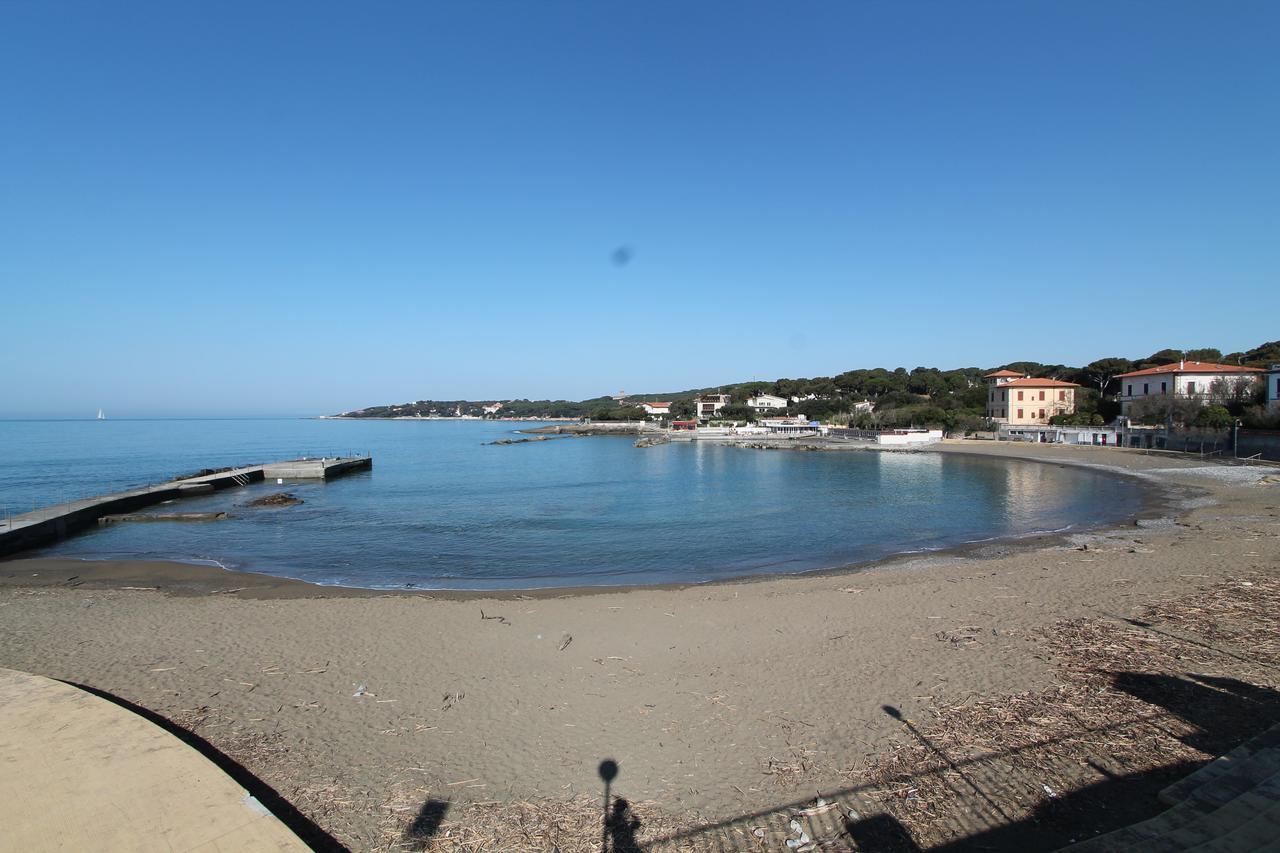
x=1263 y=355
x=1104 y=370
x=682 y=410
x=1164 y=356
x=737 y=412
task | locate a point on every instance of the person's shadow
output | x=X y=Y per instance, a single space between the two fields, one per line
x=621 y=825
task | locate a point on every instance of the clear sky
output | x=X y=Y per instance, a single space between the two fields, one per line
x=251 y=208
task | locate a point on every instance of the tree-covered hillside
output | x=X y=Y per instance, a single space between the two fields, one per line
x=954 y=399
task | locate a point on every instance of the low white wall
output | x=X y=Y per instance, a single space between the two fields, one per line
x=910 y=438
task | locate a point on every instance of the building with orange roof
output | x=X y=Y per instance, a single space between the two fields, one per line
x=1019 y=400
x=1193 y=380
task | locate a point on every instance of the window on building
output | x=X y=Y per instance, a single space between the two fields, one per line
x=1164 y=387
x=1042 y=413
x=1130 y=391
x=1041 y=395
x=1019 y=413
x=1062 y=395
x=1191 y=387
x=1146 y=388
x=1019 y=395
x=1004 y=395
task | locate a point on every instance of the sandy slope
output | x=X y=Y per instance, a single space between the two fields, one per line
x=709 y=697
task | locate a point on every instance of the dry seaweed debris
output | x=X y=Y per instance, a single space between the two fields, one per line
x=1240 y=612
x=1120 y=708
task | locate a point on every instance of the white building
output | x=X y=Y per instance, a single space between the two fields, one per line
x=709 y=405
x=657 y=409
x=1100 y=436
x=493 y=408
x=1193 y=380
x=799 y=425
x=766 y=402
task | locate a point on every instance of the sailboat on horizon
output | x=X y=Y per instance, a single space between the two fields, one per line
x=101 y=416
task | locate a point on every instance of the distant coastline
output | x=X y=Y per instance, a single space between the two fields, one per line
x=436 y=418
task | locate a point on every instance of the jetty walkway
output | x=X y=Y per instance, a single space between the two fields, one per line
x=49 y=524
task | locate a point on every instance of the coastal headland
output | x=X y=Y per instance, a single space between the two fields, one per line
x=723 y=702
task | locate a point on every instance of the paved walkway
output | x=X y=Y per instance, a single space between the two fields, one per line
x=80 y=773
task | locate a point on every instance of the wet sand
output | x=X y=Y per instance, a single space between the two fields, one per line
x=698 y=692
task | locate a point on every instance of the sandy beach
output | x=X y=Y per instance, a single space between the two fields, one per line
x=716 y=701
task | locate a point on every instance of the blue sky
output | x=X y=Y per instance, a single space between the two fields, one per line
x=258 y=208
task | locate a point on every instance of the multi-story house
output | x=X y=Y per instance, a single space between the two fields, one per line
x=1019 y=400
x=709 y=405
x=1200 y=381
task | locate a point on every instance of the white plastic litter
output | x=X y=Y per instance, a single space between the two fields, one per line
x=795 y=843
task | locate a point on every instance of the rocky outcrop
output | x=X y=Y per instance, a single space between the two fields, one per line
x=277 y=499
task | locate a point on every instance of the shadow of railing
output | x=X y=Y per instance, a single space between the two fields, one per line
x=1009 y=800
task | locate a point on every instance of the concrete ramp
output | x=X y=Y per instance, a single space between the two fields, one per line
x=80 y=773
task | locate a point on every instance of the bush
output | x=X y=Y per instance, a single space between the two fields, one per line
x=1078 y=419
x=1258 y=417
x=1156 y=410
x=1214 y=417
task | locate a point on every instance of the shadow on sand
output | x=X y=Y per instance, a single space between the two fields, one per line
x=1223 y=712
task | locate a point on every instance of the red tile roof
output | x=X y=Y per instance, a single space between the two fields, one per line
x=656 y=403
x=1002 y=373
x=1037 y=383
x=1192 y=367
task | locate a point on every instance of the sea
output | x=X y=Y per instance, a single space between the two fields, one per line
x=443 y=508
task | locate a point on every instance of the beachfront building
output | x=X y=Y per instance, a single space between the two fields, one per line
x=766 y=402
x=493 y=408
x=1018 y=400
x=657 y=410
x=1098 y=436
x=799 y=425
x=1201 y=381
x=1273 y=388
x=709 y=405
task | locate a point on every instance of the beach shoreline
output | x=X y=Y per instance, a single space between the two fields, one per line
x=715 y=699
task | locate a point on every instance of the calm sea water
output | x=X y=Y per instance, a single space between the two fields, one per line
x=440 y=509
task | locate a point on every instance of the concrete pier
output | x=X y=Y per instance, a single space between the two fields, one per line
x=49 y=524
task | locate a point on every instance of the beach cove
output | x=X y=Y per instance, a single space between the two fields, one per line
x=474 y=505
x=716 y=700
